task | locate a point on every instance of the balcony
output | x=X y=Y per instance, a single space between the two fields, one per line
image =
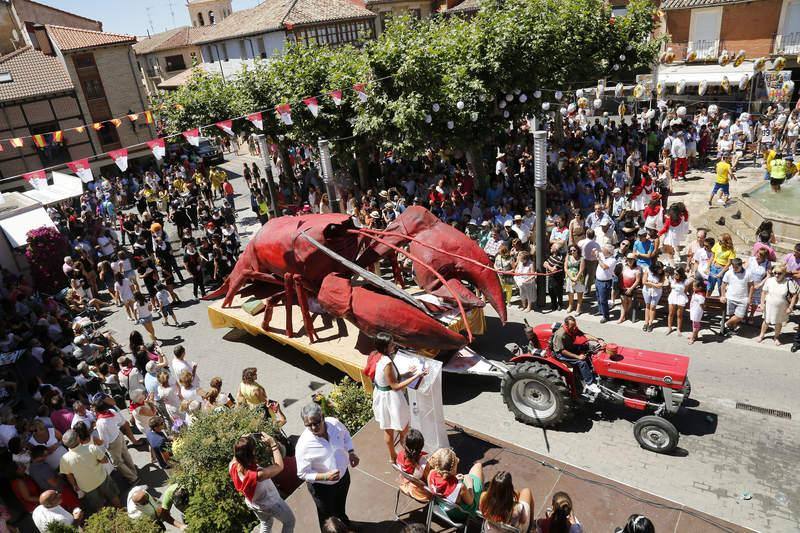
x=707 y=50
x=787 y=43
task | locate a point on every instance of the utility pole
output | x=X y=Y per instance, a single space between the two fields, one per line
x=327 y=174
x=149 y=9
x=262 y=145
x=540 y=183
x=172 y=12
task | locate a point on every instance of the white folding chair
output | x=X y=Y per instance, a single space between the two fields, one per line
x=439 y=508
x=414 y=481
x=505 y=528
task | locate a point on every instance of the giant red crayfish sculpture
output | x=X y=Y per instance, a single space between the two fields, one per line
x=322 y=256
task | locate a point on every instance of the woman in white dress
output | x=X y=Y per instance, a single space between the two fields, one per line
x=525 y=284
x=757 y=267
x=389 y=404
x=169 y=394
x=779 y=295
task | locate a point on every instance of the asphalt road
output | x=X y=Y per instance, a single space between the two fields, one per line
x=735 y=464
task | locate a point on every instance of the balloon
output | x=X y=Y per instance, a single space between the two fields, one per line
x=598 y=103
x=659 y=88
x=474 y=116
x=679 y=88
x=738 y=58
x=428 y=119
x=651 y=114
x=502 y=104
x=460 y=104
x=622 y=57
x=509 y=97
x=760 y=64
x=563 y=111
x=681 y=111
x=537 y=93
x=701 y=89
x=713 y=110
x=621 y=110
x=691 y=55
x=571 y=108
x=506 y=114
x=788 y=88
x=523 y=98
x=779 y=63
x=579 y=94
x=545 y=106
x=724 y=58
x=616 y=67
x=559 y=95
x=743 y=82
x=725 y=84
x=516 y=91
x=618 y=89
x=583 y=103
x=482 y=98
x=451 y=125
x=638 y=91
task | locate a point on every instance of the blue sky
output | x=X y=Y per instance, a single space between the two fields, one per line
x=131 y=16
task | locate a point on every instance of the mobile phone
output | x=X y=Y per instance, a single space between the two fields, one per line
x=230 y=398
x=273 y=405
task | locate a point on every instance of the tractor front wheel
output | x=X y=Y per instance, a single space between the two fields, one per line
x=656 y=434
x=537 y=394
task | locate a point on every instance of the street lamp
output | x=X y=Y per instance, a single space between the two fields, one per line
x=262 y=145
x=540 y=183
x=327 y=174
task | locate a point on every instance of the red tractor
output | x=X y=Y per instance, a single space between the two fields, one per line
x=543 y=391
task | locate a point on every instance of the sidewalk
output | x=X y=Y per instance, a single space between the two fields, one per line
x=600 y=504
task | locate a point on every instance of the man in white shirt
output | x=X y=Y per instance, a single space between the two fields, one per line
x=597 y=217
x=678 y=152
x=589 y=247
x=518 y=227
x=735 y=293
x=324 y=452
x=83 y=466
x=604 y=274
x=108 y=426
x=181 y=365
x=50 y=511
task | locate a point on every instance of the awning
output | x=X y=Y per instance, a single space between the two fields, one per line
x=712 y=73
x=17 y=227
x=64 y=187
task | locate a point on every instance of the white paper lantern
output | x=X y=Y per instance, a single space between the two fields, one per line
x=502 y=104
x=435 y=108
x=545 y=106
x=571 y=108
x=598 y=103
x=460 y=105
x=622 y=57
x=509 y=97
x=680 y=87
x=681 y=111
x=579 y=93
x=474 y=116
x=428 y=119
x=523 y=98
x=506 y=114
x=713 y=110
x=450 y=125
x=517 y=91
x=563 y=111
x=615 y=67
x=618 y=90
x=559 y=95
x=537 y=94
x=651 y=114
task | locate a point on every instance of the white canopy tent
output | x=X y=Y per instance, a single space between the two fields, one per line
x=64 y=187
x=711 y=73
x=16 y=227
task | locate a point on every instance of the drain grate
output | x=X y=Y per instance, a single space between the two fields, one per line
x=764 y=410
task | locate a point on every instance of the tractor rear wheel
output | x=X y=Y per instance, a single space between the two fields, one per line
x=537 y=394
x=656 y=434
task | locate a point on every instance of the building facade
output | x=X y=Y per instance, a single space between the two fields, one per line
x=208 y=12
x=167 y=54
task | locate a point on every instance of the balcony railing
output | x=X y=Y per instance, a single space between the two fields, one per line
x=787 y=43
x=706 y=50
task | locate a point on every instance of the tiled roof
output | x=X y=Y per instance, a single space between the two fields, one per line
x=171 y=39
x=466 y=6
x=33 y=74
x=689 y=4
x=68 y=39
x=275 y=14
x=177 y=80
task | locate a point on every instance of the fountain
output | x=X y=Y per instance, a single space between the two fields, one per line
x=782 y=208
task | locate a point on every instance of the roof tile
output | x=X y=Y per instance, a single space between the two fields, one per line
x=466 y=6
x=69 y=39
x=33 y=74
x=689 y=4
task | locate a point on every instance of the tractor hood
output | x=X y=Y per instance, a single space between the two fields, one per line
x=653 y=368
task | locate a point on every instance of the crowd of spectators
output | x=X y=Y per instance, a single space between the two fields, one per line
x=72 y=395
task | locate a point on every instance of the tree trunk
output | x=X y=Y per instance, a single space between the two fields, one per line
x=362 y=163
x=475 y=161
x=288 y=171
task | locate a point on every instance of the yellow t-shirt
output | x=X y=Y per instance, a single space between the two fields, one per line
x=722 y=257
x=723 y=172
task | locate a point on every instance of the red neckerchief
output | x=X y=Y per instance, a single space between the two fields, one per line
x=134 y=406
x=247 y=483
x=106 y=414
x=126 y=371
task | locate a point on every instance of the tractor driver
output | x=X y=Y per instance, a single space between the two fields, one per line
x=567 y=350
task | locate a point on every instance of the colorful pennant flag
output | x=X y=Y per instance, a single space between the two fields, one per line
x=116 y=122
x=158 y=147
x=226 y=126
x=16 y=142
x=120 y=157
x=58 y=136
x=148 y=117
x=37 y=178
x=193 y=136
x=313 y=105
x=257 y=120
x=80 y=129
x=361 y=91
x=82 y=169
x=337 y=97
x=39 y=141
x=97 y=126
x=285 y=113
x=133 y=117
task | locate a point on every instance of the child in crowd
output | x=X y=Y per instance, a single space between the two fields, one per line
x=164 y=301
x=696 y=305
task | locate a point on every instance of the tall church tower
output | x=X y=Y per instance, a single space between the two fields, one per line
x=208 y=12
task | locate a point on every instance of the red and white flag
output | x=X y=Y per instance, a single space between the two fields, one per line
x=337 y=97
x=226 y=126
x=82 y=169
x=120 y=157
x=361 y=91
x=285 y=112
x=37 y=178
x=312 y=104
x=193 y=136
x=257 y=120
x=158 y=147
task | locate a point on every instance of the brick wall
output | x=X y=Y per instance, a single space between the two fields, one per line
x=678 y=22
x=42 y=14
x=751 y=27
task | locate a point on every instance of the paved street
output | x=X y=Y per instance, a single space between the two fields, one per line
x=735 y=464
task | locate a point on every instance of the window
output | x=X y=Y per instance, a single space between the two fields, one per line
x=6 y=77
x=262 y=51
x=322 y=35
x=384 y=19
x=704 y=32
x=93 y=88
x=53 y=153
x=224 y=51
x=109 y=139
x=788 y=42
x=211 y=18
x=333 y=35
x=175 y=63
x=242 y=50
x=416 y=13
x=83 y=60
x=200 y=19
x=619 y=11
